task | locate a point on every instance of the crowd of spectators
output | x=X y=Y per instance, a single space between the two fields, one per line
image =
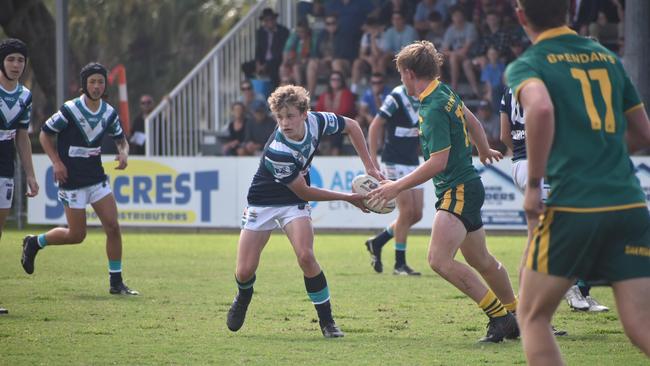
x=337 y=43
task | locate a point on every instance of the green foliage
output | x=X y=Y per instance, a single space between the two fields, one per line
x=63 y=313
x=158 y=41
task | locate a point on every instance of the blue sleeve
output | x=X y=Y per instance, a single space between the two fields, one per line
x=388 y=107
x=57 y=122
x=330 y=123
x=115 y=127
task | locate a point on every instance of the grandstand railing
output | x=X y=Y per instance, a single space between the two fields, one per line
x=201 y=101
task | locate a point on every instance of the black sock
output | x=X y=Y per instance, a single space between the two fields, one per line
x=400 y=258
x=116 y=278
x=381 y=239
x=245 y=290
x=319 y=294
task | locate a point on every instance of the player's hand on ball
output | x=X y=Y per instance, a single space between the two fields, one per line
x=364 y=184
x=376 y=173
x=386 y=192
x=357 y=200
x=490 y=157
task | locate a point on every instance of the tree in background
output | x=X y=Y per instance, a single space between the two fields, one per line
x=158 y=41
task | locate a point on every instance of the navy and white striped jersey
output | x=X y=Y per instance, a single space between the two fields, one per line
x=511 y=107
x=79 y=139
x=401 y=133
x=284 y=160
x=15 y=113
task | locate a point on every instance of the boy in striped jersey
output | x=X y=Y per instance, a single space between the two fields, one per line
x=15 y=113
x=279 y=196
x=72 y=140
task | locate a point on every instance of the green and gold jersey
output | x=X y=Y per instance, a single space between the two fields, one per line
x=589 y=168
x=443 y=127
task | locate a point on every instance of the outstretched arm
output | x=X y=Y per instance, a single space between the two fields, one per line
x=301 y=189
x=478 y=137
x=353 y=130
x=375 y=137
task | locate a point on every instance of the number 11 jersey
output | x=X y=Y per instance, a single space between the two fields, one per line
x=589 y=168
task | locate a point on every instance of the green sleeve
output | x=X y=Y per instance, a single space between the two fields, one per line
x=519 y=73
x=630 y=95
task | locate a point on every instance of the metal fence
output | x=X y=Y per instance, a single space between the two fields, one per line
x=201 y=102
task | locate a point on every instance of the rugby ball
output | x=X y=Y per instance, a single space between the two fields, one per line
x=363 y=184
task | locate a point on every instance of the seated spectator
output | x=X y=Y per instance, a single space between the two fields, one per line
x=456 y=44
x=326 y=56
x=351 y=16
x=492 y=78
x=404 y=7
x=340 y=100
x=371 y=53
x=491 y=125
x=297 y=50
x=269 y=44
x=436 y=32
x=421 y=17
x=257 y=131
x=493 y=35
x=236 y=129
x=371 y=101
x=484 y=7
x=396 y=37
x=466 y=7
x=249 y=96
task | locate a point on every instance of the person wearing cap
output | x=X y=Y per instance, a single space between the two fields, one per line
x=269 y=44
x=15 y=113
x=72 y=140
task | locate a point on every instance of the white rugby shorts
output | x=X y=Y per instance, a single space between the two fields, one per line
x=520 y=177
x=80 y=198
x=257 y=218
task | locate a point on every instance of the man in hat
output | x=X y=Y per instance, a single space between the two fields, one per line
x=269 y=44
x=15 y=113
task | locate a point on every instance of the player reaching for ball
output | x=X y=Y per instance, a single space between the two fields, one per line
x=446 y=129
x=279 y=196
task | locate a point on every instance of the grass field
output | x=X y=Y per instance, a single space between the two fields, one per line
x=63 y=314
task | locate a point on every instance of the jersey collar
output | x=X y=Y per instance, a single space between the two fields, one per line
x=553 y=32
x=430 y=88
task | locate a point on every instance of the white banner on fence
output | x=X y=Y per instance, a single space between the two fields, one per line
x=211 y=192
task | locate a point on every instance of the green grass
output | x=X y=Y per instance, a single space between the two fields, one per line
x=63 y=313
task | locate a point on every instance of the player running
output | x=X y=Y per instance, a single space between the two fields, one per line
x=279 y=196
x=513 y=134
x=396 y=126
x=446 y=129
x=15 y=114
x=579 y=105
x=72 y=140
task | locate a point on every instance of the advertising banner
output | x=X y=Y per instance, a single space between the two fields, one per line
x=211 y=192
